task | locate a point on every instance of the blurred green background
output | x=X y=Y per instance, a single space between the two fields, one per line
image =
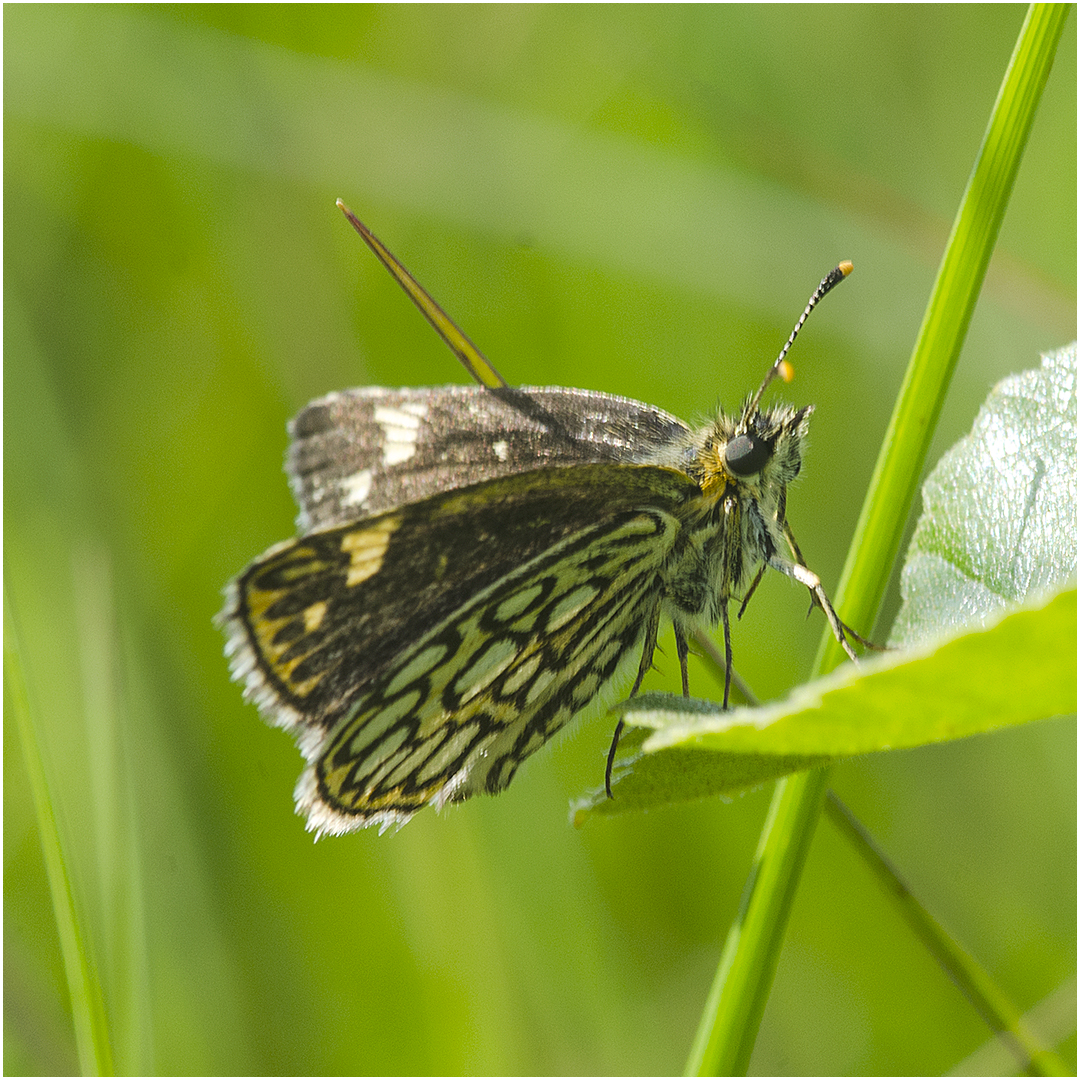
x=632 y=199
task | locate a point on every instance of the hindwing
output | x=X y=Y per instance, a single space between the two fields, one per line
x=420 y=654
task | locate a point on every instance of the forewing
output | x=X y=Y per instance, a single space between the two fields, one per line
x=360 y=452
x=454 y=634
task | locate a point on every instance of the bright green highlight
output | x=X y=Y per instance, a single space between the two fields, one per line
x=999 y=509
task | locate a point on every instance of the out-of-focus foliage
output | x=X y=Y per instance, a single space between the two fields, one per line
x=633 y=199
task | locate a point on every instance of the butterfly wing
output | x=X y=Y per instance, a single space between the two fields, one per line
x=421 y=654
x=359 y=452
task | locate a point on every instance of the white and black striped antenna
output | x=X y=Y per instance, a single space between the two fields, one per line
x=780 y=366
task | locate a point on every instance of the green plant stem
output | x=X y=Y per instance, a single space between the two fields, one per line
x=87 y=1006
x=972 y=979
x=729 y=1024
x=974 y=982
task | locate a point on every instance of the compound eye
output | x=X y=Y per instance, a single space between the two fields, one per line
x=745 y=455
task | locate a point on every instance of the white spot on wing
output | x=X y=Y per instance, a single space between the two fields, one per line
x=356 y=488
x=401 y=429
x=501 y=449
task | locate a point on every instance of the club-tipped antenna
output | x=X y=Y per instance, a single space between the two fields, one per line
x=780 y=365
x=476 y=363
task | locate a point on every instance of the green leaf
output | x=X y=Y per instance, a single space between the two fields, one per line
x=999 y=509
x=1018 y=669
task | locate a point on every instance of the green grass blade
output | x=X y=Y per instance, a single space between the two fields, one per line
x=120 y=935
x=945 y=323
x=87 y=1005
x=969 y=975
x=729 y=1025
x=725 y=1036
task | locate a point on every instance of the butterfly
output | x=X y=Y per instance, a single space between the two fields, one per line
x=476 y=565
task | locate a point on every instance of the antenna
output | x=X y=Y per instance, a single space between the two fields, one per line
x=780 y=366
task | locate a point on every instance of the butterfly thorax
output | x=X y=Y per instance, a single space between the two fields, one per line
x=742 y=466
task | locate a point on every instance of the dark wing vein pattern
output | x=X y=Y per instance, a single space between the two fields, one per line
x=423 y=653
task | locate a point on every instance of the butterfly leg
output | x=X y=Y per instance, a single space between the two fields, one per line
x=647 y=653
x=727 y=651
x=683 y=649
x=611 y=757
x=819 y=599
x=805 y=576
x=750 y=592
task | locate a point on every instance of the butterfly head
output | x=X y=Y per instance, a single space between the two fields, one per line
x=761 y=451
x=764 y=447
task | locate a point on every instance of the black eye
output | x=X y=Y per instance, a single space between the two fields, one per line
x=745 y=455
